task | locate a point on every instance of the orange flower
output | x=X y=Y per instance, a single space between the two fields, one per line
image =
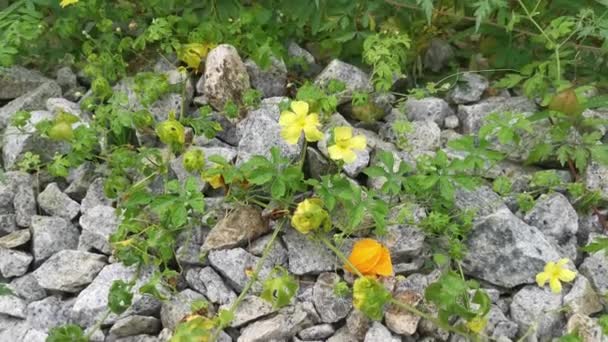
x=370 y=258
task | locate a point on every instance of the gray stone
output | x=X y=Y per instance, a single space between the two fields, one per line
x=240 y=226
x=13 y=263
x=425 y=136
x=98 y=224
x=138 y=338
x=595 y=268
x=582 y=299
x=13 y=306
x=472 y=116
x=17 y=141
x=8 y=323
x=66 y=78
x=54 y=202
x=233 y=264
x=209 y=283
x=80 y=180
x=277 y=255
x=317 y=164
x=330 y=307
x=95 y=196
x=358 y=324
x=135 y=325
x=260 y=131
x=469 y=88
x=283 y=326
x=353 y=78
x=342 y=335
x=451 y=122
x=91 y=304
x=438 y=55
x=51 y=235
x=363 y=156
x=271 y=81
x=555 y=217
x=178 y=306
x=596 y=178
x=404 y=242
x=499 y=326
x=69 y=270
x=586 y=328
x=317 y=332
x=27 y=287
x=505 y=251
x=226 y=77
x=58 y=105
x=32 y=100
x=533 y=305
x=48 y=313
x=302 y=61
x=430 y=108
x=16 y=81
x=482 y=200
x=15 y=239
x=379 y=333
x=8 y=224
x=21 y=331
x=24 y=203
x=250 y=309
x=307 y=256
x=160 y=109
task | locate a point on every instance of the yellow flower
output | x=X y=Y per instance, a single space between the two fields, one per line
x=65 y=3
x=214 y=177
x=371 y=258
x=193 y=53
x=310 y=215
x=477 y=324
x=554 y=273
x=297 y=120
x=345 y=143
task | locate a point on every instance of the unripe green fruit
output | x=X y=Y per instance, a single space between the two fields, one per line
x=61 y=131
x=194 y=160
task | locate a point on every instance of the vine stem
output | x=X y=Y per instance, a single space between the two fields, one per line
x=253 y=278
x=393 y=301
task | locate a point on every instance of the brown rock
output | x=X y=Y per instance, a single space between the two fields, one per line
x=240 y=226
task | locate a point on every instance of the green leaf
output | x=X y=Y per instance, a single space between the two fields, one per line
x=599 y=244
x=5 y=290
x=67 y=333
x=120 y=297
x=502 y=185
x=280 y=288
x=599 y=153
x=277 y=190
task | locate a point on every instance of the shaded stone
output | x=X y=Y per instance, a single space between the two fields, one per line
x=271 y=81
x=13 y=306
x=14 y=263
x=54 y=202
x=178 y=306
x=317 y=332
x=48 y=313
x=95 y=196
x=98 y=224
x=595 y=268
x=330 y=307
x=51 y=235
x=379 y=333
x=596 y=178
x=34 y=99
x=499 y=326
x=307 y=256
x=66 y=78
x=505 y=251
x=209 y=283
x=24 y=201
x=438 y=55
x=27 y=287
x=69 y=270
x=250 y=309
x=284 y=325
x=135 y=325
x=429 y=108
x=234 y=265
x=16 y=81
x=277 y=256
x=226 y=77
x=15 y=239
x=242 y=225
x=472 y=116
x=8 y=224
x=57 y=105
x=469 y=88
x=91 y=304
x=482 y=200
x=533 y=305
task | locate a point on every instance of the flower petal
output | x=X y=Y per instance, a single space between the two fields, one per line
x=567 y=275
x=365 y=255
x=291 y=134
x=556 y=286
x=348 y=156
x=299 y=107
x=358 y=142
x=287 y=118
x=335 y=152
x=542 y=278
x=343 y=133
x=563 y=262
x=312 y=133
x=384 y=267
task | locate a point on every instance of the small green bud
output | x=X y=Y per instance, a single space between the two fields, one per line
x=194 y=160
x=171 y=132
x=61 y=131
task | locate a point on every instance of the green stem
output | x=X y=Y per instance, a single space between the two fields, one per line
x=253 y=278
x=340 y=255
